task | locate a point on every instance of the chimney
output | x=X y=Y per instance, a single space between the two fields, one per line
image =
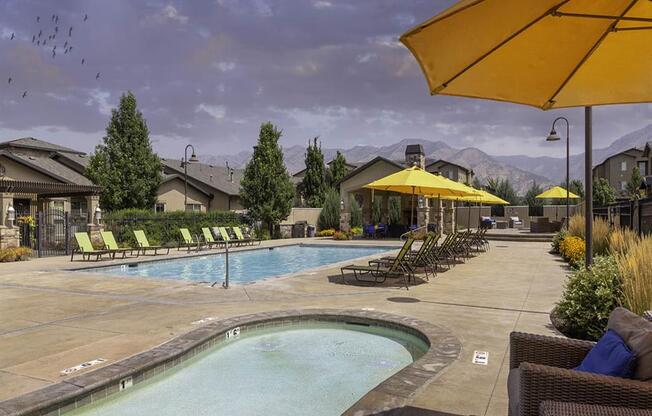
x=227 y=167
x=415 y=156
x=231 y=175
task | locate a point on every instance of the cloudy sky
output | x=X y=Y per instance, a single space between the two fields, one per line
x=209 y=72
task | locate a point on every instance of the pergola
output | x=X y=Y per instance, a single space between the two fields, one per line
x=48 y=189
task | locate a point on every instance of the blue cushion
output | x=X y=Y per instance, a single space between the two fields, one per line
x=609 y=357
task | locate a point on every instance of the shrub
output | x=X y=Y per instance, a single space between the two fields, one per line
x=621 y=240
x=163 y=227
x=376 y=211
x=11 y=254
x=341 y=235
x=356 y=231
x=329 y=217
x=394 y=210
x=356 y=214
x=572 y=250
x=635 y=266
x=326 y=233
x=576 y=226
x=600 y=233
x=262 y=233
x=556 y=241
x=588 y=299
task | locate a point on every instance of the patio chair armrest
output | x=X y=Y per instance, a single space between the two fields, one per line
x=554 y=408
x=539 y=383
x=546 y=350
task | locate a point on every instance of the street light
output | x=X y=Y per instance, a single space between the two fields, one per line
x=193 y=159
x=554 y=137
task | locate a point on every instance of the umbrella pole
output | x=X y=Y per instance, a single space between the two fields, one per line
x=588 y=178
x=412 y=210
x=468 y=228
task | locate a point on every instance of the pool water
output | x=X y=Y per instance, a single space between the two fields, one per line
x=244 y=266
x=307 y=369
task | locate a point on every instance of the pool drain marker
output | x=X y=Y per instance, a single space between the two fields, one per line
x=480 y=357
x=125 y=383
x=233 y=333
x=82 y=366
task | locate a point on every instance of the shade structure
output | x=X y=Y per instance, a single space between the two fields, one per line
x=416 y=181
x=484 y=197
x=543 y=53
x=556 y=192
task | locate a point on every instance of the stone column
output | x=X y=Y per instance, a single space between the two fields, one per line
x=9 y=234
x=423 y=216
x=94 y=227
x=345 y=221
x=449 y=217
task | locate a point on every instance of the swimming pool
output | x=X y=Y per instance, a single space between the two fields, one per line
x=244 y=266
x=315 y=368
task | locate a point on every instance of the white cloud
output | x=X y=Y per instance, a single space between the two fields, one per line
x=259 y=8
x=389 y=41
x=101 y=99
x=225 y=66
x=168 y=13
x=322 y=4
x=216 y=111
x=364 y=58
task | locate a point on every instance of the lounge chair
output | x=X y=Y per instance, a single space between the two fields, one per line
x=417 y=259
x=242 y=237
x=208 y=238
x=515 y=222
x=188 y=242
x=85 y=247
x=144 y=246
x=226 y=237
x=111 y=244
x=380 y=272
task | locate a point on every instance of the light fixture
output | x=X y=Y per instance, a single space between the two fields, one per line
x=342 y=204
x=11 y=213
x=98 y=214
x=421 y=201
x=553 y=136
x=193 y=158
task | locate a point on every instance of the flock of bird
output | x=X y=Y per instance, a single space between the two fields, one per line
x=42 y=40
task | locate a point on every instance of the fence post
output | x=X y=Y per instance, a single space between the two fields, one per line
x=66 y=233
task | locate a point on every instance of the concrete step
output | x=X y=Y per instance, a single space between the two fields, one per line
x=519 y=237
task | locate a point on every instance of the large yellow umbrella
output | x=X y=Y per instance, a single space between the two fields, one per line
x=557 y=192
x=542 y=53
x=481 y=197
x=416 y=181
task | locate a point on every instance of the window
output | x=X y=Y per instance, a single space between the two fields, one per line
x=623 y=185
x=58 y=206
x=449 y=174
x=642 y=167
x=78 y=206
x=159 y=207
x=623 y=166
x=193 y=207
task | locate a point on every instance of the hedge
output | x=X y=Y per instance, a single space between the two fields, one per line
x=163 y=228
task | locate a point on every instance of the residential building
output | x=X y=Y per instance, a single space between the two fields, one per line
x=451 y=171
x=617 y=169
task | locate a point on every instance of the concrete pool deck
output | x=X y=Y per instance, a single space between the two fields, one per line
x=53 y=319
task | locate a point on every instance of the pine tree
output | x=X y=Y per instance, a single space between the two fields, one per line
x=502 y=188
x=329 y=217
x=313 y=184
x=576 y=187
x=124 y=164
x=530 y=196
x=337 y=169
x=634 y=184
x=266 y=190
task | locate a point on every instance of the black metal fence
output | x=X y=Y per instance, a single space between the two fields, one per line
x=50 y=232
x=635 y=215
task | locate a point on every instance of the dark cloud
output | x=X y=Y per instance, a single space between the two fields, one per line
x=210 y=72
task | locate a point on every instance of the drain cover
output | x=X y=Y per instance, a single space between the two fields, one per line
x=401 y=299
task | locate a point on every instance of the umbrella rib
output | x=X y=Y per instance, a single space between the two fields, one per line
x=498 y=46
x=551 y=102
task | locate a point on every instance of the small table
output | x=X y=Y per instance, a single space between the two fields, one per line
x=501 y=225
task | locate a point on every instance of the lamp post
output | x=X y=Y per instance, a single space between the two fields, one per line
x=553 y=137
x=11 y=215
x=193 y=158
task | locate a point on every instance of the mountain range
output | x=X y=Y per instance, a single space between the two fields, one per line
x=521 y=170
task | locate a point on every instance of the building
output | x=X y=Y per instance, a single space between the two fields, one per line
x=451 y=171
x=37 y=181
x=617 y=169
x=352 y=187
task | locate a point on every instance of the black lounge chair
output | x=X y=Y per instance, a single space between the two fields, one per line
x=380 y=272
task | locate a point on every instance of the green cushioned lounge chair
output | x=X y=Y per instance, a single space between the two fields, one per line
x=111 y=244
x=208 y=238
x=144 y=246
x=85 y=247
x=380 y=272
x=240 y=237
x=188 y=241
x=226 y=237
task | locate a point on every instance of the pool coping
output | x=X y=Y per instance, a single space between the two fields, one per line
x=394 y=392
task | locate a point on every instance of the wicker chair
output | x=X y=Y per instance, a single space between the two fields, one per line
x=540 y=370
x=549 y=408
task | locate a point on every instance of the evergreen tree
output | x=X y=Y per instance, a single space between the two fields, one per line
x=394 y=210
x=634 y=184
x=124 y=164
x=266 y=190
x=356 y=213
x=313 y=185
x=530 y=196
x=502 y=188
x=576 y=187
x=603 y=193
x=477 y=183
x=337 y=169
x=329 y=217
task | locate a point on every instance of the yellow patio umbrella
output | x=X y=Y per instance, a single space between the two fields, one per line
x=543 y=53
x=481 y=197
x=557 y=192
x=416 y=181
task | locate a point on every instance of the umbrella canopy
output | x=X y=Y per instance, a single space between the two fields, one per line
x=415 y=180
x=484 y=197
x=556 y=192
x=543 y=53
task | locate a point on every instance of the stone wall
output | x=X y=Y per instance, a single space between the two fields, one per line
x=9 y=237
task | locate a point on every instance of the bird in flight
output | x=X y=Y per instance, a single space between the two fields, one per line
x=70 y=32
x=40 y=32
x=33 y=38
x=38 y=42
x=85 y=17
x=54 y=53
x=9 y=80
x=83 y=61
x=53 y=16
x=56 y=29
x=24 y=94
x=12 y=36
x=65 y=44
x=38 y=19
x=97 y=76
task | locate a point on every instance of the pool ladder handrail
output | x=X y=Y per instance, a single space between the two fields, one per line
x=404 y=236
